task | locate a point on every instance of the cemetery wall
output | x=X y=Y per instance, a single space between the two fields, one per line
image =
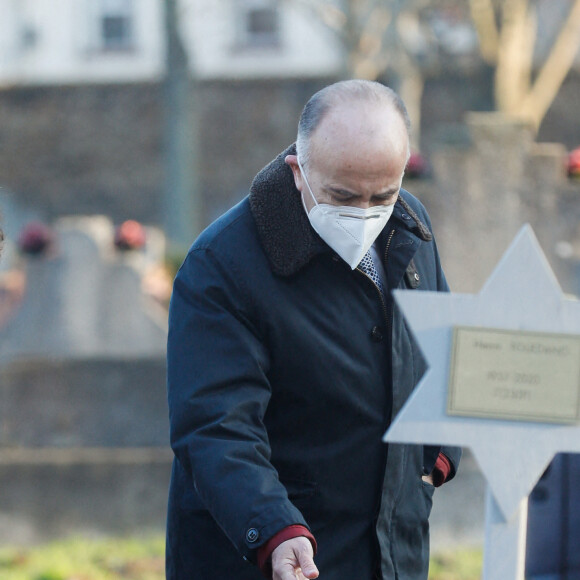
x=84 y=402
x=84 y=448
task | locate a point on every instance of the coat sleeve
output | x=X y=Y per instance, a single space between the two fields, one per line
x=452 y=453
x=218 y=392
x=432 y=452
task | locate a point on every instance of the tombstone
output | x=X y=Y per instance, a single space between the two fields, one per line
x=85 y=299
x=484 y=190
x=503 y=381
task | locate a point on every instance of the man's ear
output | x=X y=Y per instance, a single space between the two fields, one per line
x=292 y=162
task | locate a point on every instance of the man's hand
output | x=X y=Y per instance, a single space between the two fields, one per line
x=428 y=478
x=294 y=560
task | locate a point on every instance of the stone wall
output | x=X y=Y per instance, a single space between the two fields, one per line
x=82 y=150
x=84 y=448
x=88 y=150
x=58 y=494
x=99 y=149
x=90 y=402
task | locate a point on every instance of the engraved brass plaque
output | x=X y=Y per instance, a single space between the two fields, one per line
x=514 y=375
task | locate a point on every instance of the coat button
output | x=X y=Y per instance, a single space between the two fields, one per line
x=252 y=535
x=377 y=333
x=405 y=216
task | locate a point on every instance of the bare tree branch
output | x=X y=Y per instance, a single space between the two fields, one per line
x=484 y=19
x=554 y=70
x=509 y=45
x=371 y=33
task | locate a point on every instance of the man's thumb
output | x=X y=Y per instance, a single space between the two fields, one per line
x=308 y=566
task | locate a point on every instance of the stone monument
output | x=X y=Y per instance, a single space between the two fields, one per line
x=502 y=380
x=85 y=299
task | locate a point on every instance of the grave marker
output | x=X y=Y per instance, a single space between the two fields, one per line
x=523 y=299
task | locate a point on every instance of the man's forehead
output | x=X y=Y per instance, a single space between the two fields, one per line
x=362 y=109
x=348 y=135
x=359 y=121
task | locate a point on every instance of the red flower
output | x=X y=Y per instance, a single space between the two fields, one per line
x=130 y=235
x=574 y=163
x=35 y=238
x=417 y=166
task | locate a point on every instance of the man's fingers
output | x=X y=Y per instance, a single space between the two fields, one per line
x=295 y=574
x=293 y=560
x=292 y=573
x=300 y=576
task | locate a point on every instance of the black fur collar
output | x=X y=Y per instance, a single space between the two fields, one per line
x=283 y=227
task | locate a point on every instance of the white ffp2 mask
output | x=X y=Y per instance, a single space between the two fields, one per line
x=349 y=231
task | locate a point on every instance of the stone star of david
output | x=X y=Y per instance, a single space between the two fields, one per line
x=521 y=294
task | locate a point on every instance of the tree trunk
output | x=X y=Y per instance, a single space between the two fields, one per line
x=411 y=88
x=513 y=72
x=182 y=216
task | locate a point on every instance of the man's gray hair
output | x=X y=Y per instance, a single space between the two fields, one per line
x=343 y=92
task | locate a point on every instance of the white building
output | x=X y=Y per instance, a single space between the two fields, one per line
x=87 y=41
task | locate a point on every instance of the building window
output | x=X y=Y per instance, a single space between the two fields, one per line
x=116 y=24
x=259 y=23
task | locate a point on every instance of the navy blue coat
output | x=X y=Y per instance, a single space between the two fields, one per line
x=285 y=368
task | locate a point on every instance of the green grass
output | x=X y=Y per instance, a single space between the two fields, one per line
x=143 y=559
x=80 y=559
x=462 y=564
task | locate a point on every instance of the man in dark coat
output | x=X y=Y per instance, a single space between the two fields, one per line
x=288 y=359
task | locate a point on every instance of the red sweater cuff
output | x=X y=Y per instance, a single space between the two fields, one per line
x=441 y=470
x=265 y=551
